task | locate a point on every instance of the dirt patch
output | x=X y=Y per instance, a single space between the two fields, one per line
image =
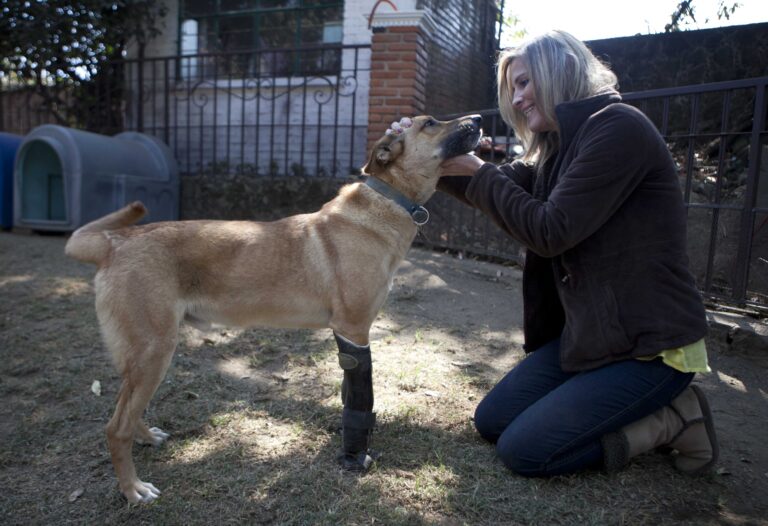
x=254 y=415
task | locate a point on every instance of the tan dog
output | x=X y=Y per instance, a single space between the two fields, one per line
x=332 y=268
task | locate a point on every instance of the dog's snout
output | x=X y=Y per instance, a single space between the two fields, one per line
x=471 y=123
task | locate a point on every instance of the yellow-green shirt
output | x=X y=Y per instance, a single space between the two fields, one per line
x=689 y=359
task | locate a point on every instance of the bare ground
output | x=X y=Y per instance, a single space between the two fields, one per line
x=254 y=417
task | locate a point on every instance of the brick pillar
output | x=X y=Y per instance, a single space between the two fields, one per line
x=398 y=69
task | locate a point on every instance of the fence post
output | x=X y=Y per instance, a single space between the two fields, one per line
x=744 y=253
x=398 y=68
x=140 y=87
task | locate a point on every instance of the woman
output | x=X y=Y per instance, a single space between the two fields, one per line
x=613 y=322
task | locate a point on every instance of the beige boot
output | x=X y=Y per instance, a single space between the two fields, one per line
x=684 y=425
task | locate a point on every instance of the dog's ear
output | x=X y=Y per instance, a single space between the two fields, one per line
x=386 y=150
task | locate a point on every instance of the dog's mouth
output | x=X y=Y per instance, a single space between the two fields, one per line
x=464 y=140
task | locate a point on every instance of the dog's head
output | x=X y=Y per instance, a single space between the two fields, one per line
x=408 y=159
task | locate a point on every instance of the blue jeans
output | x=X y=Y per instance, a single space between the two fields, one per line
x=548 y=422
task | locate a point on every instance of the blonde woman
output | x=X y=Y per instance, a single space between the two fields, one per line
x=614 y=324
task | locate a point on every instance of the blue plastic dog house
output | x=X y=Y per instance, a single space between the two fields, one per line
x=9 y=143
x=66 y=177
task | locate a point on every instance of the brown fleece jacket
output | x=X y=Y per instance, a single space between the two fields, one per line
x=605 y=227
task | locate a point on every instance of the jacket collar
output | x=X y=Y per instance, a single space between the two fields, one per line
x=571 y=115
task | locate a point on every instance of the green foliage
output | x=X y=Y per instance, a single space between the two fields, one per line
x=298 y=170
x=71 y=39
x=685 y=13
x=510 y=27
x=513 y=27
x=62 y=48
x=274 y=168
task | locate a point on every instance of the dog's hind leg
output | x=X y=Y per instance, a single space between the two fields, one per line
x=143 y=354
x=358 y=418
x=140 y=380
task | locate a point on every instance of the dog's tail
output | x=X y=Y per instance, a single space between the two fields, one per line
x=90 y=245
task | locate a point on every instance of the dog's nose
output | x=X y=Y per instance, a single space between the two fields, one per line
x=477 y=119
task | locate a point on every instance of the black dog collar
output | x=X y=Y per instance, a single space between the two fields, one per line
x=417 y=212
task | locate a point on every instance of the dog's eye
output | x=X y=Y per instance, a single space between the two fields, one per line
x=430 y=123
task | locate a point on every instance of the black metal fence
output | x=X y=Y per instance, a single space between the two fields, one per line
x=718 y=137
x=275 y=112
x=304 y=112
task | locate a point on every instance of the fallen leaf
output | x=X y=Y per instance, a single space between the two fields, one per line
x=723 y=471
x=76 y=494
x=433 y=394
x=96 y=388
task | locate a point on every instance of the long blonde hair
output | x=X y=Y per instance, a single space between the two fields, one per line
x=562 y=69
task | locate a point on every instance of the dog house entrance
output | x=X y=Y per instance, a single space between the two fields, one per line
x=42 y=185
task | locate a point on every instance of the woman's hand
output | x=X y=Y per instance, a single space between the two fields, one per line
x=464 y=165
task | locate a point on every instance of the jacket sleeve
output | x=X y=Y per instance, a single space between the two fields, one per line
x=611 y=158
x=517 y=171
x=455 y=186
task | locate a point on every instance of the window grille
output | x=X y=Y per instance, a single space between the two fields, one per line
x=293 y=37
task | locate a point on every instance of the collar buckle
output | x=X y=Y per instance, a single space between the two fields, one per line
x=418 y=213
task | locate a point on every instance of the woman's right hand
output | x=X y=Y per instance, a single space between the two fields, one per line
x=463 y=165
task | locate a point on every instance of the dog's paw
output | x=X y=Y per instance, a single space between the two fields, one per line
x=141 y=492
x=157 y=436
x=153 y=436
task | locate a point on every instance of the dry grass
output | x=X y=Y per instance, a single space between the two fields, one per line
x=254 y=417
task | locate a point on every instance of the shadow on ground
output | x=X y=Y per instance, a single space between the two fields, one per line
x=254 y=417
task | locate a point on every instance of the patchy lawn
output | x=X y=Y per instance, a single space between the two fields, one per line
x=254 y=417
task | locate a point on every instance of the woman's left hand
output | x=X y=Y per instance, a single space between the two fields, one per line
x=462 y=165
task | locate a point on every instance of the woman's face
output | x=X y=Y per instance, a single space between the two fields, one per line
x=524 y=98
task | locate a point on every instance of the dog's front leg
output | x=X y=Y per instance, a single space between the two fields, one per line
x=358 y=419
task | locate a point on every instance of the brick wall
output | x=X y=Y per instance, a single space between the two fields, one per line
x=398 y=75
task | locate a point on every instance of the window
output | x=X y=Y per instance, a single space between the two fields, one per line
x=261 y=37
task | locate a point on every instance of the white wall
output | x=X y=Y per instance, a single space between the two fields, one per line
x=209 y=120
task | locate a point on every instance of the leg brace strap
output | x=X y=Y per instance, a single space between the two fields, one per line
x=357 y=387
x=358 y=418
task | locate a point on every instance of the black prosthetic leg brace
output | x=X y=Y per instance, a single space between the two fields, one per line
x=358 y=419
